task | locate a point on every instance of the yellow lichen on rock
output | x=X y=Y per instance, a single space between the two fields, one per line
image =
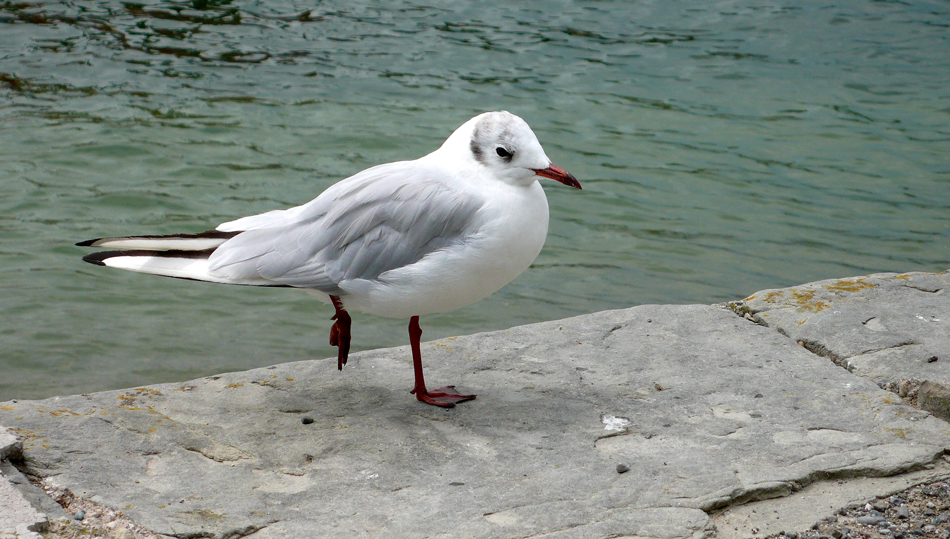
x=850 y=285
x=804 y=299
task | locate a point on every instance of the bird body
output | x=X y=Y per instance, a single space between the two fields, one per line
x=397 y=240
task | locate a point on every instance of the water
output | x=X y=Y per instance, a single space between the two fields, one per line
x=723 y=147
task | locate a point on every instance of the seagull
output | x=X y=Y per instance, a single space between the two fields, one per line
x=398 y=240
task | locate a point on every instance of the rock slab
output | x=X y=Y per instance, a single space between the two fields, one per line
x=885 y=327
x=18 y=518
x=704 y=409
x=935 y=398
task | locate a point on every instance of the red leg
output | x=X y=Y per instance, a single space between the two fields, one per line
x=340 y=332
x=446 y=397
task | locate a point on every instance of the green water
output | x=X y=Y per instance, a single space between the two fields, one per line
x=723 y=148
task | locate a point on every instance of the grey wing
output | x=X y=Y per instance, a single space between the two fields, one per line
x=357 y=233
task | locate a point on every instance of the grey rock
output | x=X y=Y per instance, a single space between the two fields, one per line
x=903 y=512
x=35 y=496
x=869 y=520
x=935 y=398
x=884 y=326
x=17 y=517
x=9 y=445
x=226 y=456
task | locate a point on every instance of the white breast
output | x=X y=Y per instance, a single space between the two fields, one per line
x=514 y=225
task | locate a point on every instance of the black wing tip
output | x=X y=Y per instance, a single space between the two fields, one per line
x=100 y=257
x=87 y=243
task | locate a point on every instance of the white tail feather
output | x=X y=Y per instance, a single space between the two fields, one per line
x=182 y=268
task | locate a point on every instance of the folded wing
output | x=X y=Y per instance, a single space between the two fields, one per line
x=384 y=218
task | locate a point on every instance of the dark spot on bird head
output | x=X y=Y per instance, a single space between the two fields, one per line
x=492 y=139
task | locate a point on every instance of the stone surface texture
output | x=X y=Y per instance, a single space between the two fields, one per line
x=18 y=518
x=706 y=408
x=885 y=327
x=935 y=398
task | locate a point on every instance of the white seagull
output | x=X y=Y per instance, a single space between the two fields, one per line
x=398 y=240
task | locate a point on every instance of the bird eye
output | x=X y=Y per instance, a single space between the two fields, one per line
x=503 y=153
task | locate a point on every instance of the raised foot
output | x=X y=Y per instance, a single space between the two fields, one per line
x=446 y=397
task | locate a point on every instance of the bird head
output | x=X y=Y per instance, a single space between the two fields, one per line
x=504 y=144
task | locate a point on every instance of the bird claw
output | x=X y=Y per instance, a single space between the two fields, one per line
x=445 y=397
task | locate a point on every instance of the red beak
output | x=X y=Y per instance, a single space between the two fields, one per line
x=558 y=174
